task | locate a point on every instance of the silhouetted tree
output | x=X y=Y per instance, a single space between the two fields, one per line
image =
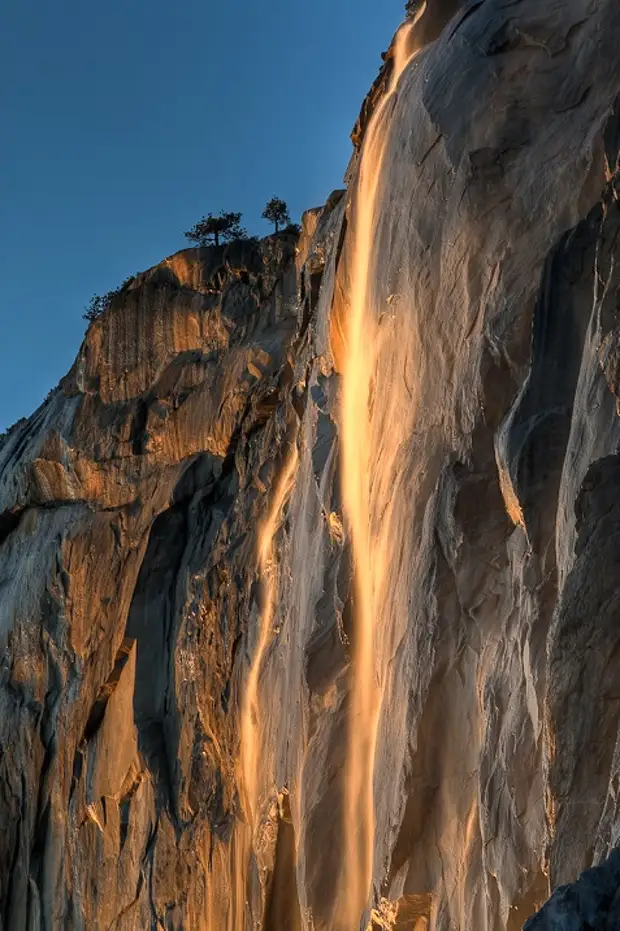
x=99 y=303
x=216 y=230
x=276 y=211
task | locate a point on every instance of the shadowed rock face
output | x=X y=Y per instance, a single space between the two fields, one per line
x=591 y=902
x=131 y=503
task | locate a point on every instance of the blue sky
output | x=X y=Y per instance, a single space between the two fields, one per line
x=126 y=121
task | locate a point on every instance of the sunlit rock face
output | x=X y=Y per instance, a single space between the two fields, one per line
x=123 y=608
x=138 y=591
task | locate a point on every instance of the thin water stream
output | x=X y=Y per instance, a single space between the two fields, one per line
x=370 y=449
x=252 y=751
x=268 y=572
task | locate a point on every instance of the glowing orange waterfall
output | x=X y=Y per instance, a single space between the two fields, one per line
x=251 y=712
x=370 y=550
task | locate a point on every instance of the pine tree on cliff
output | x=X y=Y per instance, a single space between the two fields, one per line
x=276 y=211
x=214 y=230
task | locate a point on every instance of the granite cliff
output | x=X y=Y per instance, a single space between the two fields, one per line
x=188 y=572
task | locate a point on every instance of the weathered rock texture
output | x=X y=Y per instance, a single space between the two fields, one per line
x=130 y=504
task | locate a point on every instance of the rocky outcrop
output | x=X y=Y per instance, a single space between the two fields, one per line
x=133 y=503
x=591 y=902
x=121 y=614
